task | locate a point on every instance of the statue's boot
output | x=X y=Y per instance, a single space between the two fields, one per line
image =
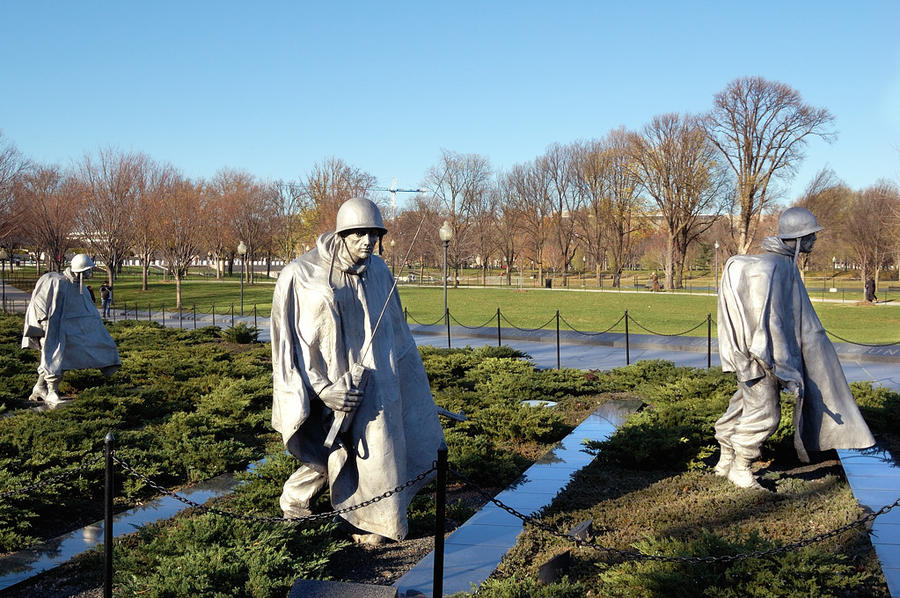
x=52 y=399
x=741 y=476
x=369 y=539
x=39 y=392
x=726 y=458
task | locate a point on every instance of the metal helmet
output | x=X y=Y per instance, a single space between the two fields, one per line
x=359 y=213
x=82 y=262
x=797 y=222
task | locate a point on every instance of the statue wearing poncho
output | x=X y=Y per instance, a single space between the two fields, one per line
x=770 y=335
x=63 y=324
x=324 y=309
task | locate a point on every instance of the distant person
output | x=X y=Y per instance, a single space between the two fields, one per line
x=870 y=290
x=329 y=366
x=770 y=335
x=654 y=282
x=91 y=293
x=105 y=298
x=63 y=324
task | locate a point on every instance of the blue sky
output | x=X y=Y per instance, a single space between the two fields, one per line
x=274 y=87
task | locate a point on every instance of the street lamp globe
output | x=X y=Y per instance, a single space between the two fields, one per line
x=446 y=232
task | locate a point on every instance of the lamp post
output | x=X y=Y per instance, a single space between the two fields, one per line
x=393 y=272
x=3 y=257
x=446 y=233
x=716 y=245
x=242 y=251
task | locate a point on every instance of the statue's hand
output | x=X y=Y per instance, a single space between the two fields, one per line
x=340 y=398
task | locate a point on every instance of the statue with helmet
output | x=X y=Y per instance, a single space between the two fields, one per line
x=350 y=395
x=63 y=323
x=770 y=336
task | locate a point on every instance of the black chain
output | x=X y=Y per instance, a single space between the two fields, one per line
x=638 y=324
x=244 y=517
x=592 y=333
x=862 y=344
x=489 y=320
x=636 y=556
x=505 y=319
x=52 y=480
x=438 y=321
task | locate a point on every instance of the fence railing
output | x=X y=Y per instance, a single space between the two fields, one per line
x=441 y=467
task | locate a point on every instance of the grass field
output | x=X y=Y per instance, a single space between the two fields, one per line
x=527 y=307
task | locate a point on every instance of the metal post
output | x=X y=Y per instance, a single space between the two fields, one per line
x=627 y=344
x=214 y=313
x=440 y=513
x=3 y=277
x=232 y=315
x=499 y=343
x=446 y=311
x=148 y=311
x=164 y=315
x=108 y=445
x=557 y=339
x=180 y=318
x=194 y=309
x=242 y=285
x=708 y=340
x=405 y=315
x=254 y=315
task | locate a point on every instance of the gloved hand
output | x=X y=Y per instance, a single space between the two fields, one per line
x=340 y=398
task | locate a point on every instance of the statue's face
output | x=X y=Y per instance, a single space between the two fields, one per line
x=360 y=243
x=807 y=242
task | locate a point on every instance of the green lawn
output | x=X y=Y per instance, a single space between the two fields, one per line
x=528 y=307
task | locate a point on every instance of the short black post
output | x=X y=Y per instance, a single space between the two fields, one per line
x=627 y=341
x=254 y=315
x=447 y=319
x=405 y=315
x=708 y=340
x=499 y=341
x=180 y=317
x=125 y=311
x=557 y=339
x=164 y=315
x=214 y=313
x=232 y=315
x=440 y=524
x=108 y=445
x=148 y=311
x=194 y=309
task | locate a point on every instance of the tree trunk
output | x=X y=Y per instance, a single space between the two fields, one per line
x=177 y=289
x=670 y=262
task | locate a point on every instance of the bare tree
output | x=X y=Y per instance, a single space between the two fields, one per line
x=50 y=200
x=460 y=182
x=606 y=179
x=528 y=188
x=160 y=178
x=13 y=166
x=761 y=128
x=331 y=183
x=115 y=180
x=677 y=167
x=559 y=163
x=829 y=199
x=294 y=211
x=508 y=225
x=181 y=221
x=871 y=230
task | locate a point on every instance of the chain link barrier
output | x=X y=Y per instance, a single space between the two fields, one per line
x=633 y=555
x=256 y=518
x=840 y=338
x=52 y=480
x=564 y=321
x=550 y=321
x=489 y=320
x=415 y=321
x=644 y=328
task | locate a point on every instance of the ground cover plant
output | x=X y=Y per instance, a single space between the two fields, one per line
x=651 y=491
x=184 y=407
